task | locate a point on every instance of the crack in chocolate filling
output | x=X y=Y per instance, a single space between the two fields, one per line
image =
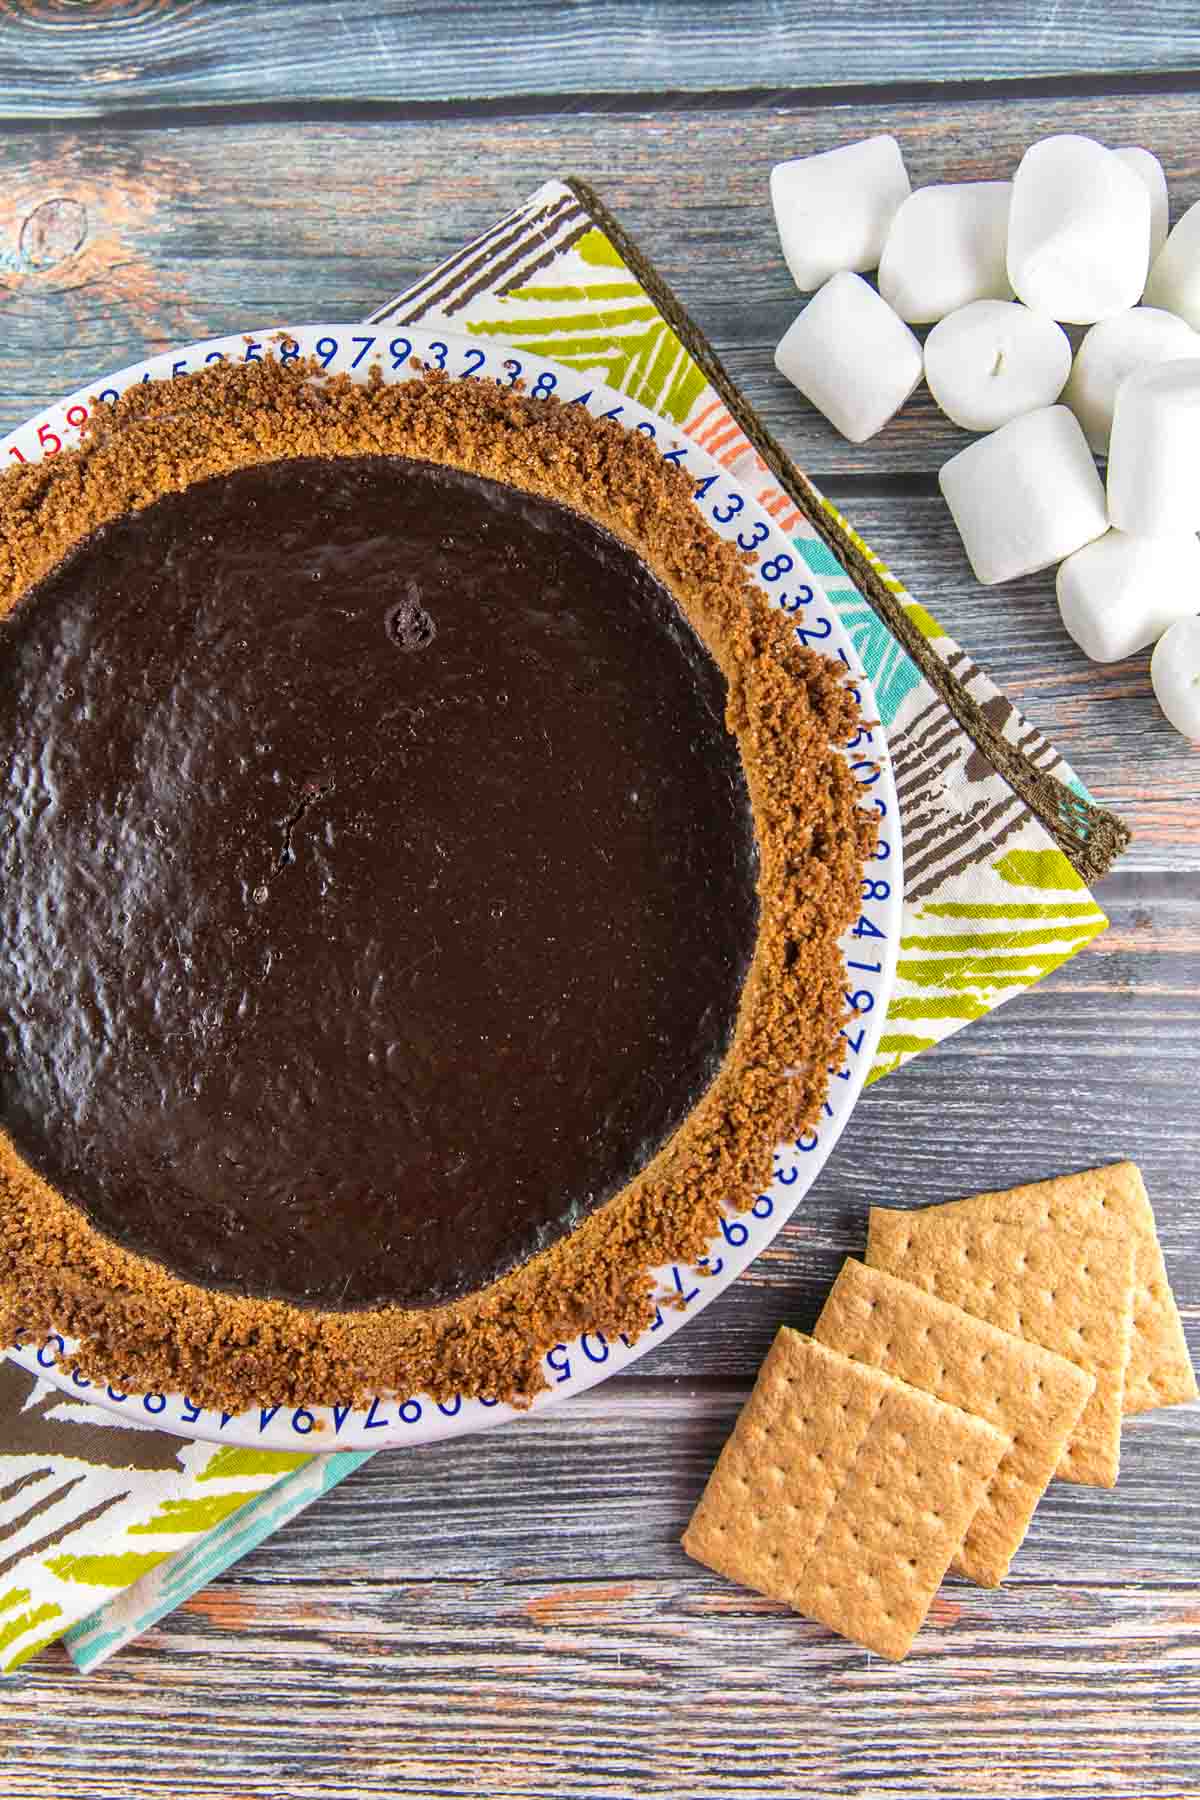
x=336 y=971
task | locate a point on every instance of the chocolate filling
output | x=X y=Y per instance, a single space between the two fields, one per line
x=377 y=878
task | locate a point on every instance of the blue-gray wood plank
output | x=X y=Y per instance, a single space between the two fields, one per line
x=82 y=62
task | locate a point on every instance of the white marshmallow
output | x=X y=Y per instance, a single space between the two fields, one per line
x=1078 y=231
x=1120 y=593
x=851 y=356
x=1175 y=674
x=1154 y=451
x=945 y=249
x=1026 y=496
x=994 y=360
x=1174 y=282
x=1149 y=171
x=1112 y=350
x=834 y=210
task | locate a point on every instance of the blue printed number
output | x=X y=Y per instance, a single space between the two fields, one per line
x=865 y=929
x=366 y=344
x=855 y=693
x=475 y=361
x=439 y=352
x=560 y=1362
x=512 y=369
x=687 y=1295
x=813 y=634
x=400 y=349
x=734 y=506
x=326 y=348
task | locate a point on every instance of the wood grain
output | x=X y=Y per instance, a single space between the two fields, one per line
x=194 y=231
x=511 y=1615
x=531 y=1628
x=64 y=61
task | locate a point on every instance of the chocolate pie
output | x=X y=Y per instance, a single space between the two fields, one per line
x=423 y=858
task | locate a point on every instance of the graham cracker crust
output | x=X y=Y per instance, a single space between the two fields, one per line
x=143 y=1327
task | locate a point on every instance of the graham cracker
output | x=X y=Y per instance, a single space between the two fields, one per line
x=1068 y=1293
x=843 y=1492
x=1032 y=1395
x=1113 y=1198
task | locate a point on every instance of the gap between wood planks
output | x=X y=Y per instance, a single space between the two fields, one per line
x=522 y=106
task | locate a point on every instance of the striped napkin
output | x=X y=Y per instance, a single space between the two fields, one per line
x=106 y=1524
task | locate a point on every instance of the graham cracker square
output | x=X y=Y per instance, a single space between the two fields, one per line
x=1111 y=1199
x=1032 y=1395
x=844 y=1493
x=1068 y=1293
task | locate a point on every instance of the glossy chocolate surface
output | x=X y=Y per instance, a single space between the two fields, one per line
x=377 y=878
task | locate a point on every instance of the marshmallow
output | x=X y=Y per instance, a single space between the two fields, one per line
x=1175 y=675
x=1112 y=350
x=1120 y=593
x=1174 y=282
x=834 y=210
x=1154 y=452
x=994 y=360
x=1078 y=231
x=1026 y=496
x=851 y=356
x=945 y=249
x=1149 y=171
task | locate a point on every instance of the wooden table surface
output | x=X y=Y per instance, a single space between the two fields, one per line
x=512 y=1615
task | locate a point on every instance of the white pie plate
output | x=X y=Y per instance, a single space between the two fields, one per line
x=870 y=948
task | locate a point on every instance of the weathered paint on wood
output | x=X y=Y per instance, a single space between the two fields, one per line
x=67 y=61
x=114 y=240
x=525 y=1624
x=511 y=1615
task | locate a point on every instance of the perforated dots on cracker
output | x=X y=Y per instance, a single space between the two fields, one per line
x=1031 y=1394
x=844 y=1493
x=1070 y=1293
x=1108 y=1199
